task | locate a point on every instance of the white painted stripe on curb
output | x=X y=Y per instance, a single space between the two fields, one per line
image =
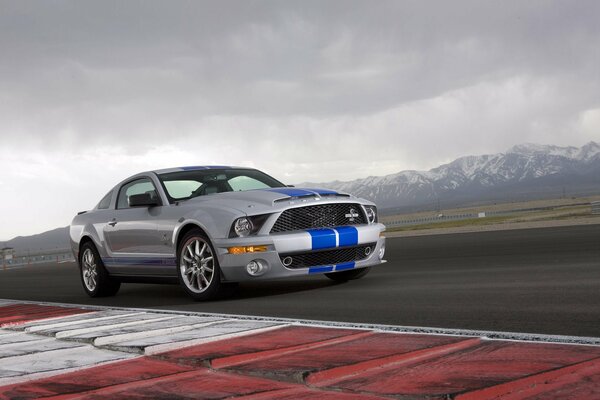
x=8 y=337
x=53 y=330
x=217 y=329
x=55 y=360
x=162 y=348
x=34 y=346
x=171 y=323
x=124 y=337
x=48 y=374
x=75 y=332
x=93 y=317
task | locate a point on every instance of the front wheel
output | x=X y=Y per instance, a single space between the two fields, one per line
x=94 y=277
x=344 y=276
x=198 y=267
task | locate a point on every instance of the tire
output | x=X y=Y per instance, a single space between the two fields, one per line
x=95 y=279
x=198 y=268
x=350 y=275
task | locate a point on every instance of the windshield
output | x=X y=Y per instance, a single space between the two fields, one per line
x=183 y=185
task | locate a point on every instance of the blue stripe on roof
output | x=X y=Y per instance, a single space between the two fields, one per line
x=199 y=167
x=348 y=235
x=322 y=238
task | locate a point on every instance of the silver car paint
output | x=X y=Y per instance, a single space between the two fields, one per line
x=151 y=233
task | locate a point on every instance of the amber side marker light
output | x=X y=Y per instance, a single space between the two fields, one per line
x=246 y=249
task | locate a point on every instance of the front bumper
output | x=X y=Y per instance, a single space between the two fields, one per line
x=233 y=266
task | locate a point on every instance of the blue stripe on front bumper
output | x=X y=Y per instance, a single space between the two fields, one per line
x=330 y=268
x=322 y=238
x=348 y=235
x=320 y=270
x=345 y=266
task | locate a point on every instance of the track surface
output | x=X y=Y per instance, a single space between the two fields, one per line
x=536 y=280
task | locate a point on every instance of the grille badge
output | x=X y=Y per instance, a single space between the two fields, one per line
x=351 y=215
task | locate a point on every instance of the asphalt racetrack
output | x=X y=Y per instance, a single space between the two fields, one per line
x=531 y=280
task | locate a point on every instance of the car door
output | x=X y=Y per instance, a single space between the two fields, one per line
x=133 y=241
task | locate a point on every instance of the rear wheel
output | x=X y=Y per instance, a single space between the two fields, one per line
x=94 y=277
x=198 y=268
x=344 y=276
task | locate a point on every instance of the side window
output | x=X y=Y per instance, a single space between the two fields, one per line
x=105 y=202
x=243 y=182
x=139 y=186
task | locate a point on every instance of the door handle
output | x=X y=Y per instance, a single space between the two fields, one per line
x=113 y=222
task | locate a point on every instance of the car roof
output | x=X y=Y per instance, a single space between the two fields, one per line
x=196 y=168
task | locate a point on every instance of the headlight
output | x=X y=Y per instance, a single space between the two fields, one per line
x=245 y=226
x=371 y=214
x=242 y=227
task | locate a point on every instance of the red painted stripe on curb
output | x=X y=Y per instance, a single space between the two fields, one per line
x=199 y=383
x=331 y=376
x=302 y=393
x=580 y=381
x=92 y=378
x=268 y=354
x=294 y=366
x=20 y=314
x=489 y=364
x=275 y=339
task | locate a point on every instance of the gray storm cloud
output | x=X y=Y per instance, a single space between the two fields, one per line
x=309 y=90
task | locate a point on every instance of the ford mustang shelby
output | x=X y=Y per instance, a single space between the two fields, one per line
x=211 y=227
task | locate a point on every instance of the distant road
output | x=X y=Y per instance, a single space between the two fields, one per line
x=530 y=280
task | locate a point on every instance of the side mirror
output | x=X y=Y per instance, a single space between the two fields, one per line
x=143 y=200
x=290 y=185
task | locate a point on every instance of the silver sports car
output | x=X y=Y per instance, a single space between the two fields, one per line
x=211 y=227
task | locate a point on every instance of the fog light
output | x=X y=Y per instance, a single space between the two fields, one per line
x=256 y=267
x=381 y=251
x=367 y=250
x=287 y=261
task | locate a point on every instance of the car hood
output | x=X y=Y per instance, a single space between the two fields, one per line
x=267 y=200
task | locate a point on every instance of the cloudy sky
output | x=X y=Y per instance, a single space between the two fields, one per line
x=94 y=91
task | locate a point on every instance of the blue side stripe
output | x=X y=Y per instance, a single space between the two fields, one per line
x=319 y=270
x=322 y=238
x=348 y=235
x=345 y=266
x=165 y=261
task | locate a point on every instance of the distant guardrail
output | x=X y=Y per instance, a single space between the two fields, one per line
x=457 y=217
x=51 y=256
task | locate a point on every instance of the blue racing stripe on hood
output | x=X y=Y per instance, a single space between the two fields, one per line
x=292 y=192
x=323 y=192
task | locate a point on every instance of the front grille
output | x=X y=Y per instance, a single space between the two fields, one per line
x=328 y=257
x=319 y=216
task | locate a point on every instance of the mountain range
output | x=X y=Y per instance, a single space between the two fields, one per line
x=525 y=171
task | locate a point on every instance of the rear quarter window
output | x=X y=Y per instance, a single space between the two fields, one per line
x=105 y=202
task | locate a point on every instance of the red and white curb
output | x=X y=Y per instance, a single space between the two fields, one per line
x=69 y=352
